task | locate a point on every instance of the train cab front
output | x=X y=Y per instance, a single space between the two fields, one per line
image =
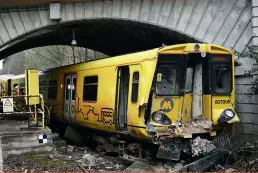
x=192 y=98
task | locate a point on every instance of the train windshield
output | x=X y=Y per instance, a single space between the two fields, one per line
x=167 y=80
x=222 y=74
x=170 y=74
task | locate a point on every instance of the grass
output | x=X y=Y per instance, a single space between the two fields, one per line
x=46 y=161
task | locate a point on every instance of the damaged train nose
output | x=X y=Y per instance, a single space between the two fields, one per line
x=174 y=139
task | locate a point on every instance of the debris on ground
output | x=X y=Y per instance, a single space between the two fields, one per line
x=231 y=170
x=66 y=158
x=139 y=166
x=71 y=158
x=70 y=148
x=88 y=160
x=176 y=168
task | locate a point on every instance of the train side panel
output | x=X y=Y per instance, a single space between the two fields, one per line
x=95 y=102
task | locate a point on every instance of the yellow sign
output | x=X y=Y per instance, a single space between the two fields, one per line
x=32 y=86
x=7 y=104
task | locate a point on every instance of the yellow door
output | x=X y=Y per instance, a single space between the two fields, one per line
x=135 y=120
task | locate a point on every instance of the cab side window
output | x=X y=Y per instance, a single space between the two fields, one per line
x=135 y=87
x=90 y=88
x=52 y=89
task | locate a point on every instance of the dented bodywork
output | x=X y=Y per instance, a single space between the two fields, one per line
x=169 y=138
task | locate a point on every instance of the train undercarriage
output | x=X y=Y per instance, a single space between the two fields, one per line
x=123 y=145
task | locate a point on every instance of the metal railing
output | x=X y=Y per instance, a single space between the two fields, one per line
x=39 y=110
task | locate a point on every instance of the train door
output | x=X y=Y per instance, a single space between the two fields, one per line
x=122 y=96
x=69 y=97
x=134 y=100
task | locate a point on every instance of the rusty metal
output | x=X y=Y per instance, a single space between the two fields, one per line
x=121 y=148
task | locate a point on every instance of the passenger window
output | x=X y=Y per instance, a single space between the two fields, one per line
x=52 y=89
x=73 y=89
x=68 y=85
x=90 y=88
x=21 y=92
x=42 y=87
x=135 y=87
x=15 y=87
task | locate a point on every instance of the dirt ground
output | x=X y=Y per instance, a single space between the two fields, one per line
x=68 y=158
x=64 y=159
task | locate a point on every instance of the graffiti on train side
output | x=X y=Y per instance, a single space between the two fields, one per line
x=106 y=115
x=89 y=110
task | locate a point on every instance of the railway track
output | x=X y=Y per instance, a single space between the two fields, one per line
x=203 y=163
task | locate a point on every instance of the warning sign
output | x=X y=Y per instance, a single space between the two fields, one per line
x=7 y=104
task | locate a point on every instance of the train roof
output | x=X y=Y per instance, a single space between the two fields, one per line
x=143 y=55
x=13 y=76
x=6 y=76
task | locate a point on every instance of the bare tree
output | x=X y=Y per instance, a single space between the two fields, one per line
x=48 y=57
x=14 y=64
x=56 y=56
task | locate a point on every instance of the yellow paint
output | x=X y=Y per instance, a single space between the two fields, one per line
x=98 y=114
x=174 y=113
x=32 y=86
x=207 y=109
x=187 y=108
x=217 y=109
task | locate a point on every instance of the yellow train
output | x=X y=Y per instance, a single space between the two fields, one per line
x=170 y=98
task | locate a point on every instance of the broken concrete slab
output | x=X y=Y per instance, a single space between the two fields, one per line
x=70 y=148
x=231 y=170
x=139 y=166
x=73 y=135
x=88 y=160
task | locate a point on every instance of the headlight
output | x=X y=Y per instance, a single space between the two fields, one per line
x=161 y=118
x=229 y=113
x=226 y=116
x=157 y=117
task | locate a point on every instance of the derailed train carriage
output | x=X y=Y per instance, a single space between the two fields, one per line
x=165 y=100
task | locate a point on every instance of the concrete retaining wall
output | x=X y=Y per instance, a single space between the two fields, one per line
x=25 y=143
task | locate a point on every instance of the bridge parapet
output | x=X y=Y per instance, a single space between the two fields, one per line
x=228 y=23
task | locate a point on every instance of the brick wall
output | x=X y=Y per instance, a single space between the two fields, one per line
x=246 y=104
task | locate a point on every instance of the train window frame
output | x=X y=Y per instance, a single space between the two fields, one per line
x=42 y=86
x=227 y=63
x=214 y=85
x=137 y=88
x=83 y=92
x=67 y=89
x=52 y=97
x=74 y=88
x=177 y=81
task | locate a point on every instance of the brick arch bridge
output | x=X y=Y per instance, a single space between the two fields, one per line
x=121 y=26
